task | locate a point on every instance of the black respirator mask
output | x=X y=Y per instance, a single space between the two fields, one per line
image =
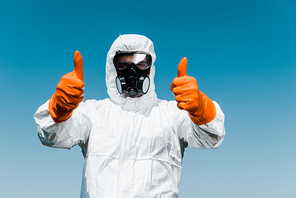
x=133 y=70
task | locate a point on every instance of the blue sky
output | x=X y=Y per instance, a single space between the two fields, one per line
x=242 y=53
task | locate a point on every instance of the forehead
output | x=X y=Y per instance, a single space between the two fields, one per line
x=124 y=58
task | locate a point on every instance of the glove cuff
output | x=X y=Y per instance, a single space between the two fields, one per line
x=56 y=112
x=206 y=113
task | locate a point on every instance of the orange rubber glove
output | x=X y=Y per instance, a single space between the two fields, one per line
x=200 y=108
x=69 y=92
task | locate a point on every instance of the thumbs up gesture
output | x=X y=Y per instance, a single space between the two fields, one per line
x=69 y=92
x=200 y=108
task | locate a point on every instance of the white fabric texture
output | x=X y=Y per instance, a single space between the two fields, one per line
x=133 y=147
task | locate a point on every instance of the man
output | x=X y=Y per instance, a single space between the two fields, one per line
x=133 y=143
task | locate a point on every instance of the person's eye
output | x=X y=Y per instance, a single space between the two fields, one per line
x=142 y=65
x=122 y=65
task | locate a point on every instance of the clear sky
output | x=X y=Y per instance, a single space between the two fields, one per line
x=242 y=53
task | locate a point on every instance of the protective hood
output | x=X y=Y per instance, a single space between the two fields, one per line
x=130 y=42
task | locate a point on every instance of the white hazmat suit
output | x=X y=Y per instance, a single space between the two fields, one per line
x=133 y=147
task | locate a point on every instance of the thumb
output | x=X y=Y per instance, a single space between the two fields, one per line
x=78 y=65
x=182 y=67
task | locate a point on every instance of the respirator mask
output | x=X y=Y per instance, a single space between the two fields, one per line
x=133 y=70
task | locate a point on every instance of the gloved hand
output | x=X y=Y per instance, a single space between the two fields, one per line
x=69 y=92
x=200 y=108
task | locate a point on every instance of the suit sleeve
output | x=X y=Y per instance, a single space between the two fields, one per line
x=66 y=134
x=209 y=135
